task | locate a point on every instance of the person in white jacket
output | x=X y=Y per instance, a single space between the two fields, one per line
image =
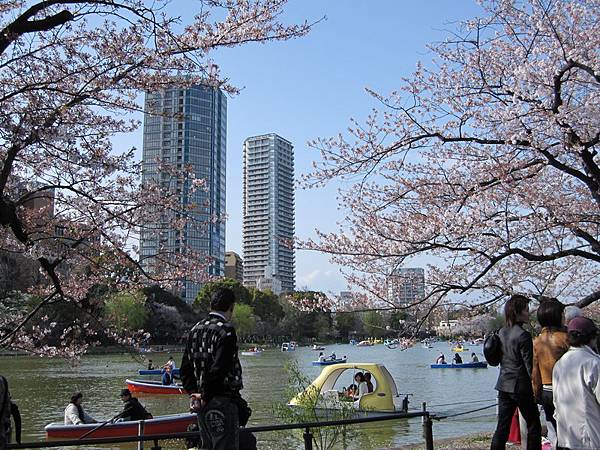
x=576 y=389
x=74 y=413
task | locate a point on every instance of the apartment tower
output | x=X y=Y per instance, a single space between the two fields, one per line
x=269 y=213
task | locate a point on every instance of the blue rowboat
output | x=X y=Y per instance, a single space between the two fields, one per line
x=175 y=372
x=468 y=365
x=329 y=362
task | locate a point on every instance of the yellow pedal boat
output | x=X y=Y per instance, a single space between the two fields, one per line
x=324 y=392
x=460 y=349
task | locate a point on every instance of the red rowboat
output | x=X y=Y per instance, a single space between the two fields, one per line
x=173 y=423
x=154 y=387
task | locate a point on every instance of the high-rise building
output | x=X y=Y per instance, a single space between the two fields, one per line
x=234 y=266
x=187 y=127
x=346 y=301
x=269 y=213
x=406 y=286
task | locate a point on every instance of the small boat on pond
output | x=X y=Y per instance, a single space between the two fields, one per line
x=478 y=341
x=324 y=392
x=173 y=423
x=426 y=343
x=391 y=343
x=316 y=347
x=174 y=372
x=330 y=361
x=459 y=349
x=467 y=365
x=288 y=347
x=365 y=344
x=256 y=352
x=154 y=387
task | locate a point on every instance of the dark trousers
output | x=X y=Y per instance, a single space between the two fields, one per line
x=220 y=424
x=547 y=401
x=507 y=403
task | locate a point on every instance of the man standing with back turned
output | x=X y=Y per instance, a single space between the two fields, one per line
x=211 y=371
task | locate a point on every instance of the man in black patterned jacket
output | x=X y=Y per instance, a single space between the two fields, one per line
x=211 y=371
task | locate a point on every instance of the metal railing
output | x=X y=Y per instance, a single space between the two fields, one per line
x=306 y=426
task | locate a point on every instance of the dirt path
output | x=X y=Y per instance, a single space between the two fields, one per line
x=473 y=442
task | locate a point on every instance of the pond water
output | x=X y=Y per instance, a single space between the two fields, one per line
x=42 y=387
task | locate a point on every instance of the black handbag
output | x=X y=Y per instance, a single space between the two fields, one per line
x=492 y=348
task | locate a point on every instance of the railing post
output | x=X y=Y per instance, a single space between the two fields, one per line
x=308 y=438
x=156 y=446
x=427 y=428
x=141 y=433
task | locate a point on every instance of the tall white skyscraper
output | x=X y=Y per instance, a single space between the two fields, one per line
x=187 y=127
x=269 y=213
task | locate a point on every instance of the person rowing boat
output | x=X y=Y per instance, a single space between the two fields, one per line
x=132 y=408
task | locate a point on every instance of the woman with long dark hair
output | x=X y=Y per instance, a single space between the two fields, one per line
x=548 y=347
x=514 y=381
x=74 y=413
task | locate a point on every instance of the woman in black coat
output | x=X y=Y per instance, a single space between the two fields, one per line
x=514 y=381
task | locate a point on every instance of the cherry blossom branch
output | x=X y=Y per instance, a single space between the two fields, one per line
x=6 y=339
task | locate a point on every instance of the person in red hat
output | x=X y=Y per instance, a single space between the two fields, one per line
x=576 y=388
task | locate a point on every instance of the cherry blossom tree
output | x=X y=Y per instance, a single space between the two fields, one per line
x=483 y=165
x=71 y=73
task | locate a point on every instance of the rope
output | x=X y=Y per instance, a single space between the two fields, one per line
x=473 y=417
x=463 y=413
x=461 y=403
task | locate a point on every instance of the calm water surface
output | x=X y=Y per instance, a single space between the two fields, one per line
x=42 y=388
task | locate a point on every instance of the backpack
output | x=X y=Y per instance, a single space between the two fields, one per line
x=492 y=348
x=5 y=423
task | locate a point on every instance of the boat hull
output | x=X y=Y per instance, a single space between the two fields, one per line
x=251 y=353
x=175 y=372
x=471 y=365
x=154 y=387
x=174 y=423
x=326 y=413
x=329 y=363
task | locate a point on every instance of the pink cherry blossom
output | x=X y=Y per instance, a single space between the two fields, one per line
x=482 y=165
x=71 y=73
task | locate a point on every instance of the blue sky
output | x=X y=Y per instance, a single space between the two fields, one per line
x=311 y=87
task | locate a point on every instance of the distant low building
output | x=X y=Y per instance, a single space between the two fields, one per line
x=17 y=271
x=272 y=284
x=234 y=266
x=446 y=327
